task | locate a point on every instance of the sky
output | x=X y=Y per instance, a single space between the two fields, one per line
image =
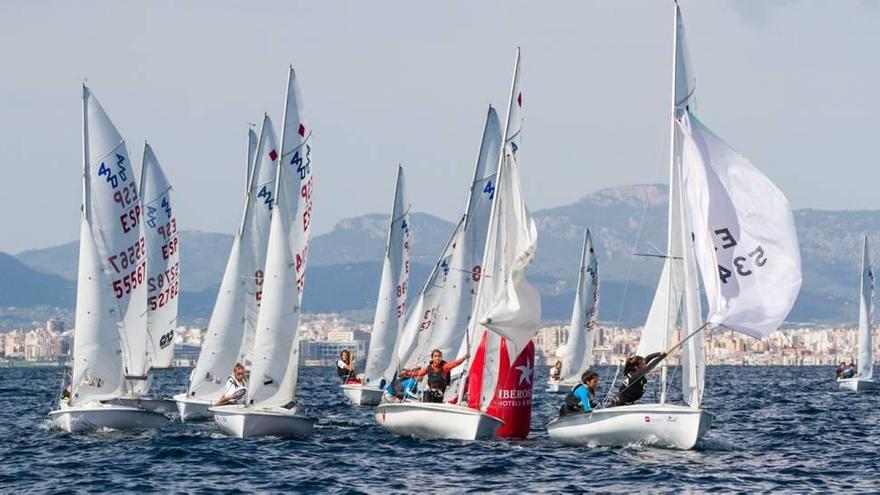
x=791 y=84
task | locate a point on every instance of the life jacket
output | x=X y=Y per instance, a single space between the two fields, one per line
x=629 y=394
x=340 y=371
x=438 y=379
x=572 y=402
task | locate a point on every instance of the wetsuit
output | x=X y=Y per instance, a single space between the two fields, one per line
x=580 y=399
x=628 y=394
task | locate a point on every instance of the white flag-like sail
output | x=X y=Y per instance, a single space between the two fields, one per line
x=744 y=234
x=163 y=261
x=391 y=302
x=866 y=316
x=509 y=305
x=577 y=353
x=115 y=216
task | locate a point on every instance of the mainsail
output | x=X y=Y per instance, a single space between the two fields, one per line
x=237 y=297
x=577 y=353
x=163 y=261
x=866 y=316
x=276 y=353
x=391 y=302
x=113 y=210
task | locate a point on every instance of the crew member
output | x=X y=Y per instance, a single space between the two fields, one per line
x=439 y=374
x=630 y=391
x=582 y=397
x=236 y=387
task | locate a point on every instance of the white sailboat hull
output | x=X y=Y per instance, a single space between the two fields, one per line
x=253 y=422
x=79 y=419
x=429 y=421
x=193 y=409
x=856 y=384
x=151 y=404
x=658 y=425
x=358 y=395
x=559 y=387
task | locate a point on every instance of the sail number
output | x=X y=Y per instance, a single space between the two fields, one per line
x=164 y=297
x=128 y=257
x=171 y=274
x=428 y=319
x=130 y=281
x=477 y=273
x=742 y=265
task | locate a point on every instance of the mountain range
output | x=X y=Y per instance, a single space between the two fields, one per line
x=345 y=263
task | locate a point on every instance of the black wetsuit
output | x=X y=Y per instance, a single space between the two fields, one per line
x=629 y=394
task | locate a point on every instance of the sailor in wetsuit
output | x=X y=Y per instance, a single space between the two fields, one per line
x=236 y=387
x=582 y=397
x=630 y=392
x=345 y=367
x=439 y=374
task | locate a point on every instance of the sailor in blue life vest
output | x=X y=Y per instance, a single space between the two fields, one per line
x=236 y=387
x=582 y=397
x=402 y=387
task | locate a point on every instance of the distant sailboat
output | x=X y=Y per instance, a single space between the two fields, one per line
x=504 y=303
x=109 y=338
x=864 y=380
x=390 y=306
x=229 y=338
x=731 y=221
x=268 y=409
x=577 y=352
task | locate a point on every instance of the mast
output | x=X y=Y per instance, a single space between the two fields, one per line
x=85 y=146
x=472 y=326
x=672 y=187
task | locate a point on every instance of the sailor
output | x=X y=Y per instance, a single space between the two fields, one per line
x=841 y=370
x=556 y=372
x=630 y=392
x=439 y=374
x=345 y=367
x=582 y=397
x=402 y=387
x=236 y=387
x=851 y=370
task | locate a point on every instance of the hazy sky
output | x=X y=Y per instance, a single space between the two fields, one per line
x=793 y=85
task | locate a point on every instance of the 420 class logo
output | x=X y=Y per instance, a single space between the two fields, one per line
x=166 y=339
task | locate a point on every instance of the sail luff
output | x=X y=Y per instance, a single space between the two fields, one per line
x=866 y=316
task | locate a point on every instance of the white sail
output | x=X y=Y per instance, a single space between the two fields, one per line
x=413 y=344
x=115 y=216
x=97 y=349
x=467 y=259
x=163 y=261
x=391 y=303
x=255 y=232
x=744 y=234
x=276 y=350
x=577 y=353
x=866 y=316
x=253 y=140
x=224 y=340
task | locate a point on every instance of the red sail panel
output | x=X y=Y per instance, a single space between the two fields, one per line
x=513 y=394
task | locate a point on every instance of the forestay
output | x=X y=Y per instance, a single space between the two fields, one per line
x=391 y=302
x=744 y=234
x=163 y=261
x=115 y=216
x=276 y=354
x=577 y=353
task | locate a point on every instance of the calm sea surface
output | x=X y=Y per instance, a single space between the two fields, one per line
x=776 y=428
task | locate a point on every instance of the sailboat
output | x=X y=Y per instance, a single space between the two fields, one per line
x=111 y=266
x=268 y=409
x=229 y=338
x=162 y=278
x=444 y=307
x=864 y=380
x=390 y=306
x=505 y=304
x=577 y=352
x=730 y=222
